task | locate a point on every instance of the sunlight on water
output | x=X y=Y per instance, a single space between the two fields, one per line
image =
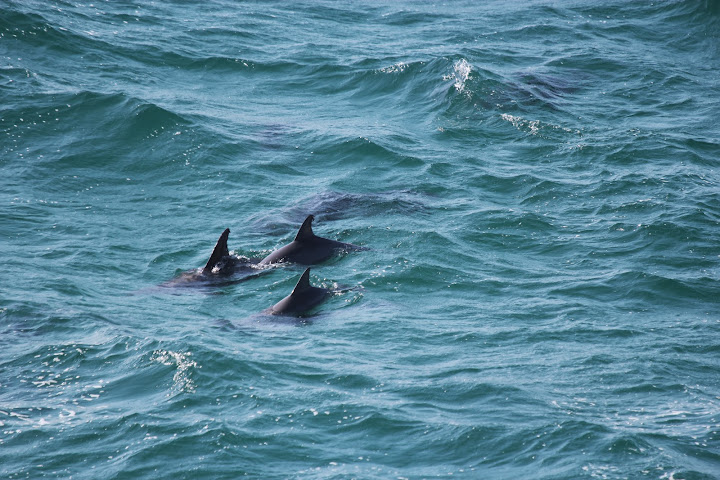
x=183 y=368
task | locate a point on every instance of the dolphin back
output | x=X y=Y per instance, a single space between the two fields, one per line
x=304 y=297
x=307 y=248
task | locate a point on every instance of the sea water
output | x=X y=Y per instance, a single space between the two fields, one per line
x=537 y=184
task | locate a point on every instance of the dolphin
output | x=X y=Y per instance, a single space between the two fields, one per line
x=307 y=248
x=220 y=267
x=220 y=261
x=304 y=297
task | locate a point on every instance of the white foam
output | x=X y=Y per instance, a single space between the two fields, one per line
x=460 y=74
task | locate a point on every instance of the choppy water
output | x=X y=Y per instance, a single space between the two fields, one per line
x=538 y=183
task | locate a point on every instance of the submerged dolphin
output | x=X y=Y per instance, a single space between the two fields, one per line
x=219 y=267
x=307 y=248
x=304 y=297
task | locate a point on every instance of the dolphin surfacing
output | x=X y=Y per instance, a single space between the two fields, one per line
x=221 y=267
x=220 y=261
x=308 y=248
x=303 y=298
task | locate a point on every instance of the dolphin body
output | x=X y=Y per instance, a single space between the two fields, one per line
x=303 y=298
x=220 y=267
x=308 y=248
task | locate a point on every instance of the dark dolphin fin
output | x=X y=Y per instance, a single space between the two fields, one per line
x=305 y=232
x=220 y=251
x=304 y=282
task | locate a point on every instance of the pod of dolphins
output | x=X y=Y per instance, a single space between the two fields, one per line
x=306 y=249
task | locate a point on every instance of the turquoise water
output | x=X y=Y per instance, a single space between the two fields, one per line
x=537 y=184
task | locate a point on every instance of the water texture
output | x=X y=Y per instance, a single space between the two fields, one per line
x=537 y=184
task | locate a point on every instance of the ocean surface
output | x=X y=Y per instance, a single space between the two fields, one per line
x=537 y=184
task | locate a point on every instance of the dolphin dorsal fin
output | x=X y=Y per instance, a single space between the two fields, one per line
x=303 y=283
x=305 y=232
x=220 y=251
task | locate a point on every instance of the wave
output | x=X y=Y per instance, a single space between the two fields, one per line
x=92 y=130
x=35 y=30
